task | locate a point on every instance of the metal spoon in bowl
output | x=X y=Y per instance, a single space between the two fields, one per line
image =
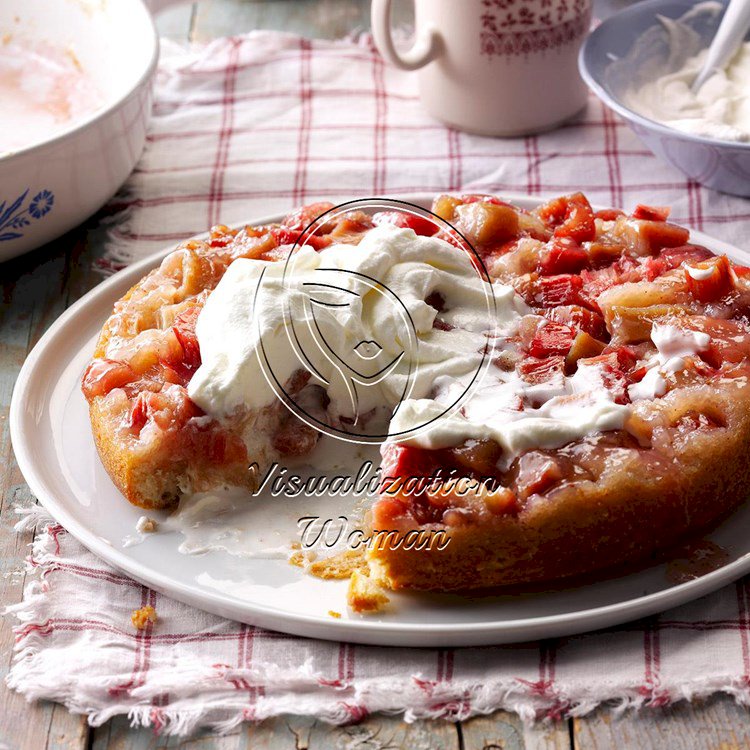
x=727 y=41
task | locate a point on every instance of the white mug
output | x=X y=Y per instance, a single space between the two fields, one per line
x=494 y=67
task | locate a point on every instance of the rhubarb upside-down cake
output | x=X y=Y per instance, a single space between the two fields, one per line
x=570 y=384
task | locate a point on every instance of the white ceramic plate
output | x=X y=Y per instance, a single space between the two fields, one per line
x=53 y=444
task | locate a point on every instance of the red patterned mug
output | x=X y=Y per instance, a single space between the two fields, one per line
x=494 y=67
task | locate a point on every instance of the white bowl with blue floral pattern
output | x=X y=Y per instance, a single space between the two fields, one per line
x=51 y=186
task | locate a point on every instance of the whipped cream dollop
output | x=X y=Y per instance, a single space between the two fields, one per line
x=358 y=317
x=411 y=307
x=720 y=109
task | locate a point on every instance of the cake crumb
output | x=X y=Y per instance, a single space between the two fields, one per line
x=146 y=525
x=74 y=58
x=301 y=559
x=334 y=613
x=340 y=566
x=141 y=617
x=364 y=595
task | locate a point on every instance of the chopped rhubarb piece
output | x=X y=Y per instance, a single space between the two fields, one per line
x=608 y=214
x=641 y=429
x=501 y=501
x=505 y=360
x=184 y=329
x=583 y=346
x=350 y=228
x=297 y=381
x=103 y=375
x=551 y=291
x=478 y=456
x=168 y=350
x=486 y=223
x=570 y=216
x=540 y=370
x=442 y=325
x=651 y=213
x=420 y=224
x=184 y=359
x=386 y=511
x=660 y=234
x=316 y=241
x=712 y=356
x=653 y=268
x=445 y=206
x=285 y=235
x=564 y=255
x=670 y=258
x=222 y=447
x=436 y=301
x=551 y=338
x=527 y=328
x=220 y=236
x=615 y=368
x=626 y=357
x=553 y=212
x=595 y=282
x=295 y=438
x=729 y=340
x=579 y=318
x=482 y=198
x=167 y=409
x=405 y=461
x=300 y=219
x=603 y=253
x=709 y=280
x=165 y=412
x=673 y=257
x=536 y=474
x=140 y=411
x=579 y=223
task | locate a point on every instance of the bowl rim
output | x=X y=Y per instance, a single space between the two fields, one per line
x=77 y=126
x=610 y=101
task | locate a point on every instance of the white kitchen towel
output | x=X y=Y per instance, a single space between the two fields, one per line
x=257 y=124
x=76 y=645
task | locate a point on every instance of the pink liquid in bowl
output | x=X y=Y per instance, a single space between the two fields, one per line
x=43 y=91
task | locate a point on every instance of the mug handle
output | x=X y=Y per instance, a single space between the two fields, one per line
x=425 y=49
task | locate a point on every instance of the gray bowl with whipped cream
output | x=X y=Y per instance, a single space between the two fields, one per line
x=641 y=61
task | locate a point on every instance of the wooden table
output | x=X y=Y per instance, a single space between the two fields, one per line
x=38 y=287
